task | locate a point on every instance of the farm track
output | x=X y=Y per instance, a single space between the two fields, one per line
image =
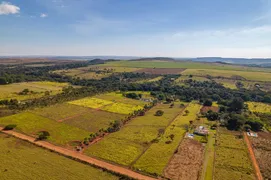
x=78 y=156
x=253 y=158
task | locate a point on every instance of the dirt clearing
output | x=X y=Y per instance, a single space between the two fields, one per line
x=186 y=162
x=161 y=70
x=205 y=109
x=262 y=150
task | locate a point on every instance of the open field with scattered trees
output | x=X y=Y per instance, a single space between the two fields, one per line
x=259 y=107
x=22 y=160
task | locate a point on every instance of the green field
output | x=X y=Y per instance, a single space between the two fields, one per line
x=249 y=75
x=232 y=160
x=126 y=145
x=151 y=80
x=21 y=160
x=31 y=124
x=91 y=102
x=121 y=108
x=196 y=78
x=259 y=107
x=155 y=159
x=11 y=91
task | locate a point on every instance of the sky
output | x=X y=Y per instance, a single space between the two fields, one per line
x=172 y=28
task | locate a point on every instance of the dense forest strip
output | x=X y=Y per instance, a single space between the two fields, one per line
x=253 y=159
x=78 y=156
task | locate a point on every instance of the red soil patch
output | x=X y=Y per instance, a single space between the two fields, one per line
x=161 y=70
x=205 y=109
x=186 y=163
x=262 y=151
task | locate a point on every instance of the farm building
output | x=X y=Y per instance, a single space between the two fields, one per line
x=201 y=130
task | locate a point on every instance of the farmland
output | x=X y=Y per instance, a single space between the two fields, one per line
x=179 y=64
x=12 y=91
x=232 y=160
x=259 y=107
x=31 y=124
x=91 y=102
x=155 y=159
x=22 y=160
x=135 y=137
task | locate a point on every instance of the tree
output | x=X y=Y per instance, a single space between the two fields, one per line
x=159 y=113
x=212 y=116
x=207 y=102
x=236 y=121
x=42 y=135
x=237 y=104
x=256 y=125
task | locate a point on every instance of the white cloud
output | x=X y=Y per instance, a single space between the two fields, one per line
x=42 y=15
x=7 y=8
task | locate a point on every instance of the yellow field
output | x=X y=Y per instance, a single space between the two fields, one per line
x=11 y=91
x=122 y=108
x=91 y=102
x=259 y=107
x=257 y=76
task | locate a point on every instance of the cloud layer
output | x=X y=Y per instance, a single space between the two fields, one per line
x=42 y=15
x=7 y=8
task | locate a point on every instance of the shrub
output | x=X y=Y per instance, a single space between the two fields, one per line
x=43 y=135
x=208 y=103
x=159 y=113
x=10 y=127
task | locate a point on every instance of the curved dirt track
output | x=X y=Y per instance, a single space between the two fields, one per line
x=253 y=158
x=81 y=157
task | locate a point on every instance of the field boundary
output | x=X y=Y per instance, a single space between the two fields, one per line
x=253 y=158
x=79 y=157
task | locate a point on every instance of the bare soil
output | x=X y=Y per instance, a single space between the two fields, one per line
x=186 y=162
x=262 y=150
x=205 y=109
x=161 y=70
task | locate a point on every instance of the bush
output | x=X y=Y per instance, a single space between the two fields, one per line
x=208 y=103
x=159 y=113
x=43 y=135
x=10 y=127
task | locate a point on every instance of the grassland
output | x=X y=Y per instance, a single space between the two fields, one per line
x=196 y=78
x=11 y=91
x=227 y=83
x=231 y=157
x=259 y=107
x=158 y=155
x=179 y=64
x=249 y=75
x=126 y=145
x=31 y=124
x=121 y=108
x=150 y=80
x=21 y=160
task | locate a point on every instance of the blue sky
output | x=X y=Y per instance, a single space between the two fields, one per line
x=175 y=28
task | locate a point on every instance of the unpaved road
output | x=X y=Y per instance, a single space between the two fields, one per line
x=81 y=157
x=252 y=156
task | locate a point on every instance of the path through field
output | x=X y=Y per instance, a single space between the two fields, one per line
x=78 y=156
x=252 y=156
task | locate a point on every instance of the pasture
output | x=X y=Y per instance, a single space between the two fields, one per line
x=21 y=160
x=134 y=137
x=31 y=124
x=259 y=107
x=238 y=74
x=227 y=83
x=155 y=159
x=91 y=102
x=232 y=160
x=121 y=108
x=12 y=91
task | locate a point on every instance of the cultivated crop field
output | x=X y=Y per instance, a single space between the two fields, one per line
x=259 y=107
x=232 y=160
x=11 y=91
x=121 y=108
x=22 y=160
x=155 y=159
x=262 y=149
x=134 y=137
x=91 y=102
x=31 y=124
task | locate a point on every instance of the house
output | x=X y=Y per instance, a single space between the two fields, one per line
x=201 y=130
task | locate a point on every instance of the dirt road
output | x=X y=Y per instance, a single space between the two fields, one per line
x=252 y=156
x=81 y=157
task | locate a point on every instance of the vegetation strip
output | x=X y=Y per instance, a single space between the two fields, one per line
x=253 y=159
x=78 y=156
